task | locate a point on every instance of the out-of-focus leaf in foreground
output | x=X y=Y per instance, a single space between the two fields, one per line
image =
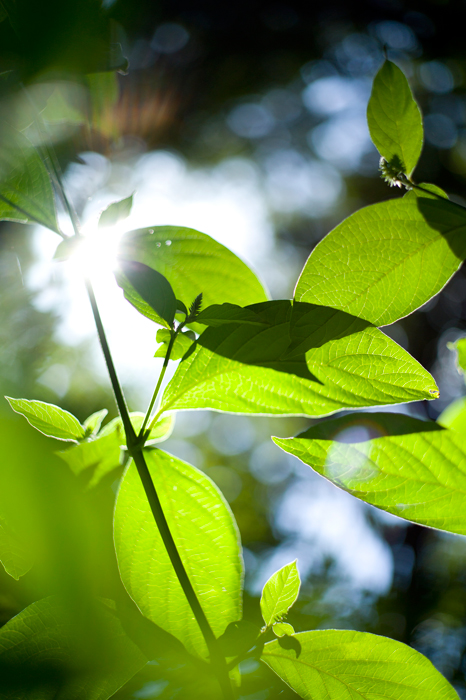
x=52 y=650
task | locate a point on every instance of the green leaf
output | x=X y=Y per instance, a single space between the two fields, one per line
x=152 y=287
x=279 y=593
x=15 y=555
x=386 y=260
x=26 y=193
x=426 y=189
x=394 y=119
x=454 y=415
x=297 y=359
x=50 y=650
x=193 y=263
x=93 y=423
x=339 y=665
x=181 y=345
x=67 y=248
x=116 y=212
x=282 y=629
x=48 y=419
x=411 y=468
x=206 y=537
x=100 y=457
x=460 y=347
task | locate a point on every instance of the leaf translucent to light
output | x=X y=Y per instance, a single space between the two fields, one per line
x=116 y=212
x=394 y=119
x=459 y=346
x=207 y=540
x=192 y=262
x=26 y=193
x=386 y=260
x=279 y=593
x=15 y=555
x=49 y=651
x=296 y=359
x=414 y=469
x=48 y=419
x=345 y=665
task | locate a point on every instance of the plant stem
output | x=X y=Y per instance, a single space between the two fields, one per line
x=159 y=381
x=117 y=390
x=135 y=450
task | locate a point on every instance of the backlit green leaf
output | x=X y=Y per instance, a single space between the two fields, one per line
x=93 y=423
x=386 y=260
x=193 y=263
x=48 y=419
x=51 y=650
x=15 y=555
x=151 y=287
x=344 y=665
x=206 y=537
x=280 y=629
x=115 y=212
x=460 y=347
x=279 y=593
x=454 y=415
x=296 y=359
x=394 y=119
x=25 y=189
x=411 y=468
x=181 y=345
x=100 y=457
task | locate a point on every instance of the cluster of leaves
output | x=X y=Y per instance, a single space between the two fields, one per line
x=240 y=352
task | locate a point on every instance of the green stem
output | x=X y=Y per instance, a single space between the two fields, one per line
x=159 y=381
x=117 y=390
x=216 y=656
x=135 y=450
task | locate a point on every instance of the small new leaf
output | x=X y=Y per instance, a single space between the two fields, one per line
x=394 y=119
x=279 y=593
x=48 y=419
x=93 y=423
x=194 y=309
x=116 y=212
x=280 y=629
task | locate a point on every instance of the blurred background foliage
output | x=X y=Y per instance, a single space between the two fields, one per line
x=247 y=121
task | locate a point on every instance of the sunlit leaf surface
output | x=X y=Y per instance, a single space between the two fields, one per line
x=394 y=119
x=299 y=359
x=206 y=537
x=193 y=263
x=279 y=594
x=48 y=419
x=414 y=469
x=386 y=260
x=344 y=665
